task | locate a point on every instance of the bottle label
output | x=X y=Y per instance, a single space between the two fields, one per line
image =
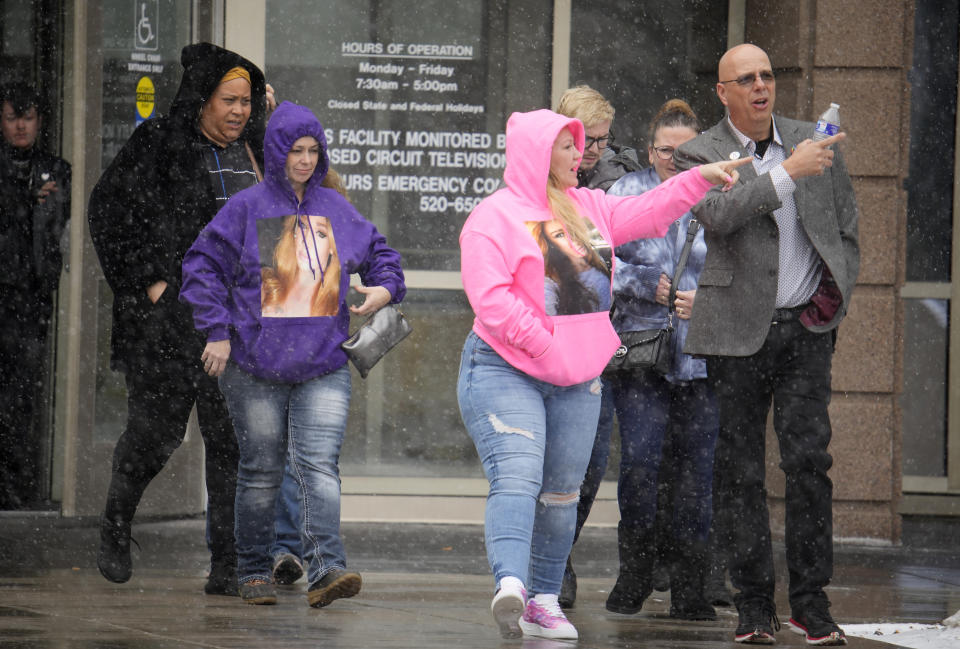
x=827 y=128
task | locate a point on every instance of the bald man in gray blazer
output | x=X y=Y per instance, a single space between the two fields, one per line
x=782 y=260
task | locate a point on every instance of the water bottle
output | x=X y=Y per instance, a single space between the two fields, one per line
x=828 y=124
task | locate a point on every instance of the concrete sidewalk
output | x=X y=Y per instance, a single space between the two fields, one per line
x=425 y=586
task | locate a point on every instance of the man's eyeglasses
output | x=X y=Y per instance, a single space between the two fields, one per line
x=745 y=80
x=601 y=141
x=664 y=152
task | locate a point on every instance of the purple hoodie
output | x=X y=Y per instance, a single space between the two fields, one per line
x=271 y=273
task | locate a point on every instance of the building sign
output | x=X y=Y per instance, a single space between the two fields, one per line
x=147 y=16
x=146 y=99
x=141 y=50
x=447 y=170
x=409 y=124
x=413 y=108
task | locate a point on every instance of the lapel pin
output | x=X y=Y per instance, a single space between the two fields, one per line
x=735 y=155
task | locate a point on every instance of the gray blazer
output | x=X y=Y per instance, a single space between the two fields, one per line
x=738 y=286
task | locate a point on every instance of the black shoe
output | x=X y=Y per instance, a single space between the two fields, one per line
x=628 y=595
x=814 y=621
x=568 y=587
x=687 y=601
x=758 y=621
x=113 y=558
x=336 y=584
x=258 y=591
x=287 y=569
x=222 y=581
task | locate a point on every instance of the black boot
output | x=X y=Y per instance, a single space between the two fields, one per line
x=223 y=578
x=661 y=576
x=223 y=557
x=634 y=583
x=687 y=601
x=663 y=556
x=568 y=587
x=113 y=559
x=715 y=587
x=663 y=523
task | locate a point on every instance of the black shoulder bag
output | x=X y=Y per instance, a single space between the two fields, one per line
x=650 y=349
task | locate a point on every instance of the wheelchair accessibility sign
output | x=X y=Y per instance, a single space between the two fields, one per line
x=146 y=20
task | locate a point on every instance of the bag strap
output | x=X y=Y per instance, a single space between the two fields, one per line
x=256 y=167
x=692 y=231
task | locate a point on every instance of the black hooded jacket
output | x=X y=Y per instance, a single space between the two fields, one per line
x=151 y=203
x=615 y=161
x=30 y=232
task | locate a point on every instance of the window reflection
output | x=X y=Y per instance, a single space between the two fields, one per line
x=404 y=419
x=414 y=98
x=924 y=395
x=933 y=83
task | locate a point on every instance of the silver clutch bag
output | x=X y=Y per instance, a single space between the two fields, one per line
x=378 y=335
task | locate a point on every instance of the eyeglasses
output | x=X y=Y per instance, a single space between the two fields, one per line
x=664 y=152
x=601 y=141
x=745 y=80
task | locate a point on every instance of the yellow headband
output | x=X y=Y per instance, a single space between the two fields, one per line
x=236 y=73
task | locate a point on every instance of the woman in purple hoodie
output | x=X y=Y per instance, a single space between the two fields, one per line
x=267 y=280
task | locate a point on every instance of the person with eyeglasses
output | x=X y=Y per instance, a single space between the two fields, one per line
x=602 y=164
x=782 y=261
x=668 y=423
x=603 y=161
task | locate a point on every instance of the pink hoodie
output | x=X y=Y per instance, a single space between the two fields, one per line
x=502 y=268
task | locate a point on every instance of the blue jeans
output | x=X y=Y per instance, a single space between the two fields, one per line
x=647 y=404
x=313 y=414
x=288 y=517
x=648 y=408
x=534 y=441
x=598 y=458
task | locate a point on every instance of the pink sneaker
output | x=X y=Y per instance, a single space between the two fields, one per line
x=543 y=617
x=507 y=606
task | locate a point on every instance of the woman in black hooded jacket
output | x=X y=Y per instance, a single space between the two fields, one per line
x=162 y=188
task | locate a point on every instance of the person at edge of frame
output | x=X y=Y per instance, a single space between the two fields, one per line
x=34 y=220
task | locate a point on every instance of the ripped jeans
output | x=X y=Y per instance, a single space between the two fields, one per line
x=534 y=440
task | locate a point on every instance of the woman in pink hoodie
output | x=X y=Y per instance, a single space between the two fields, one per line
x=528 y=390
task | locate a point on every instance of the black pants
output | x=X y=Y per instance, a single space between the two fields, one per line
x=160 y=395
x=793 y=370
x=22 y=369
